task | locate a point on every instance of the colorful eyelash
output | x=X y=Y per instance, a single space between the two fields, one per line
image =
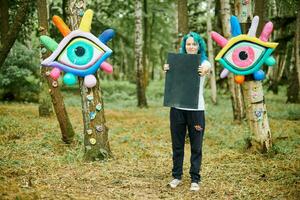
x=80 y=53
x=245 y=54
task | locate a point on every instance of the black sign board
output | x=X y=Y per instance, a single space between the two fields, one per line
x=182 y=81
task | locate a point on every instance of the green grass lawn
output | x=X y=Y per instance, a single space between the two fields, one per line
x=36 y=164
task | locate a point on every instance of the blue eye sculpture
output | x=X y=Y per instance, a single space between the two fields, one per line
x=80 y=53
x=245 y=54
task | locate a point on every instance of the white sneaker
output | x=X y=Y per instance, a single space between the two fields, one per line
x=195 y=187
x=174 y=183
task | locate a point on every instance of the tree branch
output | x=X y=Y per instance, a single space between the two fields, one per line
x=14 y=30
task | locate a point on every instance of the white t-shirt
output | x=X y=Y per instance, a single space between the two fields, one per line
x=201 y=103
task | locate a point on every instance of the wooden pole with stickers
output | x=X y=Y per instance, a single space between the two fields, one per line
x=260 y=134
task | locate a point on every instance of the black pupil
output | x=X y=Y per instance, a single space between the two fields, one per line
x=243 y=55
x=79 y=51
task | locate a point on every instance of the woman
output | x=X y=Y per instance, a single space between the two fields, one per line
x=193 y=120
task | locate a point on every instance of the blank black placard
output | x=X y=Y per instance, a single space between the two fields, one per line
x=182 y=81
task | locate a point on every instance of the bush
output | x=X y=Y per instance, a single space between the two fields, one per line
x=19 y=74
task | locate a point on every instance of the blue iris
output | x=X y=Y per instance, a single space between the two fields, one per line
x=80 y=53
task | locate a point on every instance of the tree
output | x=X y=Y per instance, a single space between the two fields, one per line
x=297 y=42
x=256 y=111
x=294 y=84
x=8 y=40
x=141 y=93
x=53 y=88
x=145 y=59
x=183 y=19
x=211 y=56
x=95 y=131
x=4 y=19
x=45 y=106
x=292 y=76
x=238 y=106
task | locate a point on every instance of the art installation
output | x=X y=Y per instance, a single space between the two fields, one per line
x=80 y=53
x=245 y=54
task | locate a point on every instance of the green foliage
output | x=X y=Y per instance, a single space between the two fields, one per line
x=19 y=74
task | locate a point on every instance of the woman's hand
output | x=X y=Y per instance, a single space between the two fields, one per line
x=203 y=70
x=166 y=67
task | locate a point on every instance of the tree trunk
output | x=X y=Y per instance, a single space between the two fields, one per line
x=125 y=67
x=211 y=56
x=237 y=102
x=260 y=139
x=293 y=83
x=141 y=93
x=45 y=106
x=53 y=88
x=95 y=131
x=14 y=30
x=145 y=60
x=297 y=42
x=162 y=61
x=256 y=112
x=183 y=19
x=260 y=9
x=150 y=46
x=4 y=19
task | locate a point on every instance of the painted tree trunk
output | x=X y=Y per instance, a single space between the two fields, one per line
x=211 y=56
x=238 y=107
x=141 y=93
x=257 y=117
x=45 y=105
x=53 y=88
x=256 y=111
x=95 y=131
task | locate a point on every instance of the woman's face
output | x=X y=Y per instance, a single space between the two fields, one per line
x=191 y=46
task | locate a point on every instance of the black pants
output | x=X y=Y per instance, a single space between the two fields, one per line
x=180 y=121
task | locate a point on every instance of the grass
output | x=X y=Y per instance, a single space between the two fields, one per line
x=36 y=164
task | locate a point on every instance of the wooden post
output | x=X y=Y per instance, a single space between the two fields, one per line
x=95 y=131
x=53 y=87
x=256 y=110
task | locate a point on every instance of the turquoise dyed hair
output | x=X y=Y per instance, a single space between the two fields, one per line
x=199 y=40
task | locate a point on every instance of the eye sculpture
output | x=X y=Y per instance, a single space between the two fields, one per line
x=80 y=53
x=245 y=54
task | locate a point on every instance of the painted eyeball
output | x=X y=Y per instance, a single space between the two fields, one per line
x=79 y=53
x=245 y=55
